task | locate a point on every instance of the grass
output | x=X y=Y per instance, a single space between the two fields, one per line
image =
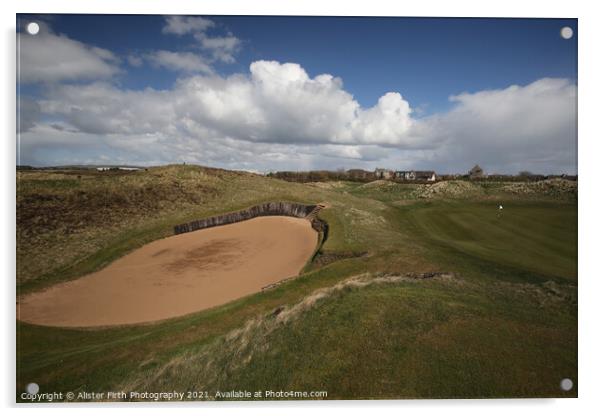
x=505 y=326
x=410 y=341
x=536 y=237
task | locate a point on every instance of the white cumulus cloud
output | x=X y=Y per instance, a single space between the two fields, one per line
x=221 y=48
x=48 y=57
x=179 y=61
x=277 y=116
x=274 y=103
x=530 y=127
x=182 y=25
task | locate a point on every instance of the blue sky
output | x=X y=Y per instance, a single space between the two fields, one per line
x=425 y=60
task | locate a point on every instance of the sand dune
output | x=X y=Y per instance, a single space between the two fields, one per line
x=178 y=275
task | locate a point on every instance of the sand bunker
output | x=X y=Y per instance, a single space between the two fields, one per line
x=178 y=275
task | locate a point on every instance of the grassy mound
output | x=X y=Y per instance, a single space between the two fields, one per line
x=559 y=188
x=449 y=189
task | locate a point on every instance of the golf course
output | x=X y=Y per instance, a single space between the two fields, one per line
x=416 y=291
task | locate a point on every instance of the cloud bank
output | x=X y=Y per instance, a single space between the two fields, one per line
x=274 y=103
x=48 y=57
x=275 y=116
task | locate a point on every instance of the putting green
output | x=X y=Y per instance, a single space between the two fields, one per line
x=536 y=237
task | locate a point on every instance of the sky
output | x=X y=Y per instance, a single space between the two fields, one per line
x=298 y=93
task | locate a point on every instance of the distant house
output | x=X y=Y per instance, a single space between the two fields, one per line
x=416 y=175
x=383 y=173
x=476 y=172
x=426 y=175
x=403 y=175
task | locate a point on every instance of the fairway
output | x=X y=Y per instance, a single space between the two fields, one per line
x=538 y=237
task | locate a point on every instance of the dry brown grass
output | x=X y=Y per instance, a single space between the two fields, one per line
x=65 y=216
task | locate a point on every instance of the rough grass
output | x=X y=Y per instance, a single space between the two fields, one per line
x=410 y=338
x=504 y=326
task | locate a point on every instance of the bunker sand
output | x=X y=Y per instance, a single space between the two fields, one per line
x=178 y=275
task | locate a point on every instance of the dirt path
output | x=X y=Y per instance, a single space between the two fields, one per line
x=178 y=275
